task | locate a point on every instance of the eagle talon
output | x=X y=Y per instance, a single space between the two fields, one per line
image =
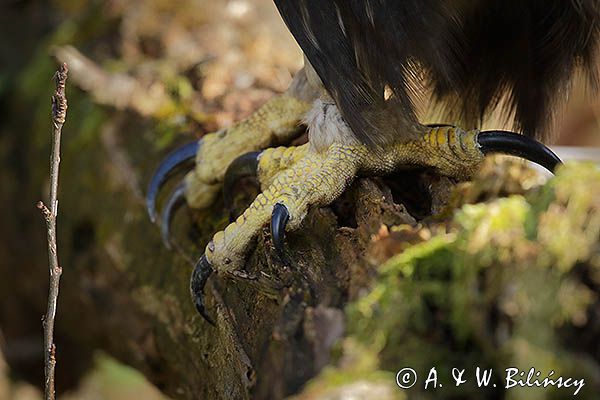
x=174 y=202
x=200 y=275
x=244 y=166
x=279 y=220
x=514 y=144
x=175 y=161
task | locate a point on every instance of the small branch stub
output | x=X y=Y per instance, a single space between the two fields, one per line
x=59 y=115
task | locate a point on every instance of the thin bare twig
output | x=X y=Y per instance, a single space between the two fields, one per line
x=59 y=114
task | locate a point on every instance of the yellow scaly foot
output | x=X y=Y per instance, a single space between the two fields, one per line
x=296 y=179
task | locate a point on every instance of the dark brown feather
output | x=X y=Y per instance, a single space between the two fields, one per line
x=473 y=53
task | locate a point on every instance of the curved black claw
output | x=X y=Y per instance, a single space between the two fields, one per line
x=202 y=271
x=171 y=164
x=279 y=220
x=176 y=200
x=518 y=145
x=242 y=167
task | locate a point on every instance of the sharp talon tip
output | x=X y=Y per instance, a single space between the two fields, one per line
x=279 y=220
x=202 y=312
x=200 y=275
x=151 y=214
x=514 y=144
x=171 y=164
x=176 y=200
x=244 y=166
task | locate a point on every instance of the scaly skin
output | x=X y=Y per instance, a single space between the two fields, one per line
x=304 y=178
x=277 y=159
x=278 y=120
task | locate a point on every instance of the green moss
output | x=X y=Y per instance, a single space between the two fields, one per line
x=503 y=288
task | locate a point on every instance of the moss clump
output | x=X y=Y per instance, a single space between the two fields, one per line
x=511 y=283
